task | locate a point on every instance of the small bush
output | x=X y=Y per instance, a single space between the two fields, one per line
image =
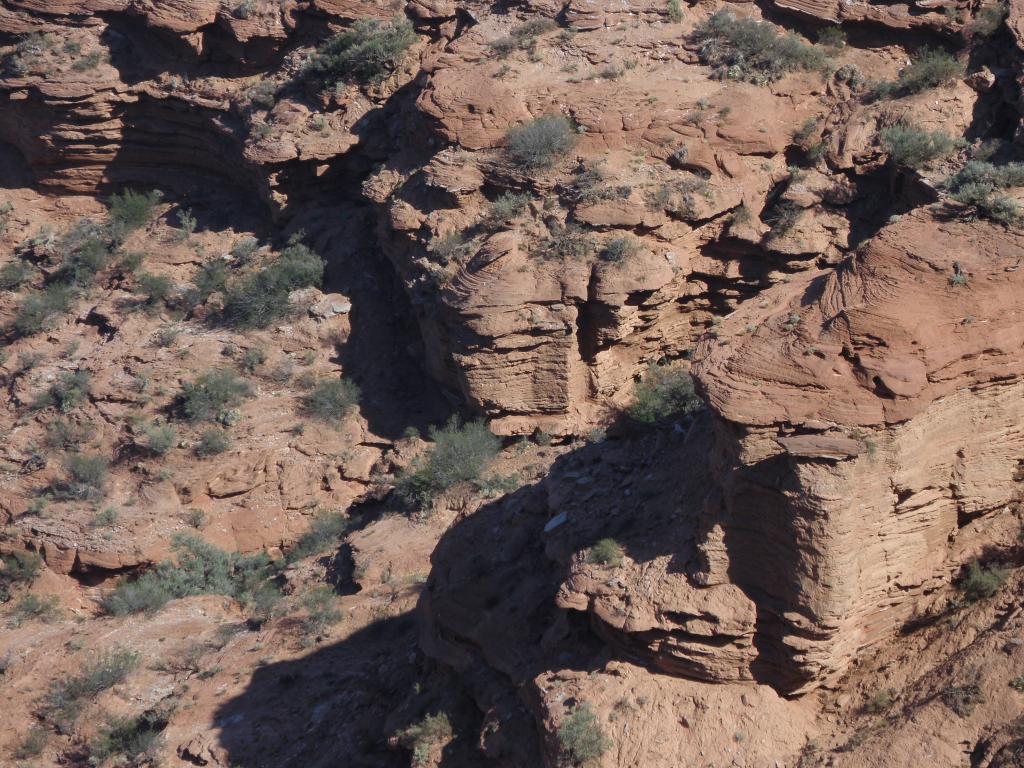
x=213 y=442
x=186 y=224
x=977 y=183
x=963 y=698
x=675 y=11
x=66 y=393
x=331 y=400
x=445 y=249
x=459 y=454
x=325 y=533
x=211 y=394
x=980 y=582
x=38 y=310
x=65 y=698
x=988 y=20
x=63 y=435
x=321 y=606
x=17 y=569
x=200 y=569
x=664 y=392
x=160 y=438
x=86 y=254
x=915 y=148
x=211 y=278
x=32 y=743
x=433 y=730
x=581 y=737
x=619 y=249
x=566 y=243
x=134 y=740
x=252 y=359
x=156 y=288
x=832 y=37
x=367 y=53
x=131 y=210
x=930 y=69
x=540 y=143
x=30 y=607
x=745 y=49
x=605 y=552
x=262 y=298
x=85 y=477
x=507 y=207
x=14 y=274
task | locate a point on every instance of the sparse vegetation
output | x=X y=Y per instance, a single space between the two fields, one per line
x=261 y=298
x=134 y=741
x=508 y=206
x=33 y=608
x=199 y=569
x=211 y=394
x=367 y=53
x=252 y=359
x=131 y=210
x=962 y=699
x=156 y=288
x=325 y=533
x=581 y=738
x=978 y=183
x=981 y=582
x=31 y=743
x=66 y=393
x=160 y=438
x=619 y=249
x=540 y=143
x=988 y=19
x=524 y=37
x=17 y=569
x=85 y=477
x=212 y=442
x=665 y=392
x=105 y=669
x=433 y=730
x=459 y=454
x=39 y=309
x=321 y=606
x=930 y=69
x=753 y=51
x=14 y=274
x=62 y=434
x=675 y=11
x=605 y=552
x=331 y=400
x=912 y=147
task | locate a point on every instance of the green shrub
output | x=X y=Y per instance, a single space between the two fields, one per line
x=64 y=435
x=433 y=730
x=540 y=143
x=753 y=51
x=331 y=400
x=988 y=19
x=930 y=69
x=86 y=253
x=160 y=438
x=32 y=743
x=566 y=243
x=38 y=309
x=665 y=392
x=212 y=442
x=200 y=569
x=605 y=552
x=85 y=477
x=367 y=53
x=156 y=288
x=523 y=37
x=980 y=582
x=675 y=11
x=186 y=224
x=262 y=298
x=321 y=606
x=252 y=359
x=581 y=738
x=459 y=454
x=131 y=210
x=507 y=207
x=963 y=698
x=211 y=278
x=445 y=249
x=17 y=569
x=915 y=148
x=14 y=274
x=105 y=669
x=211 y=394
x=832 y=37
x=977 y=183
x=325 y=533
x=135 y=741
x=30 y=607
x=66 y=393
x=619 y=249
